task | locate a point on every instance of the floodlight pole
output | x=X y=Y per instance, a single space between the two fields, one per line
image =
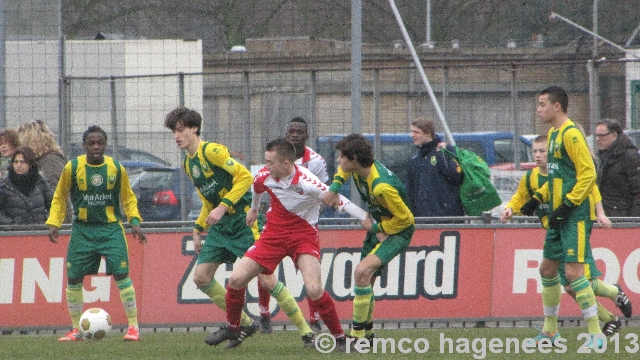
x=418 y=65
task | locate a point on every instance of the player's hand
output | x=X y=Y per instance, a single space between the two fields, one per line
x=530 y=207
x=216 y=214
x=559 y=216
x=367 y=223
x=252 y=216
x=138 y=234
x=53 y=234
x=197 y=243
x=331 y=199
x=604 y=221
x=506 y=215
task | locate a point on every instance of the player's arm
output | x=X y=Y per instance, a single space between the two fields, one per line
x=401 y=216
x=257 y=193
x=331 y=198
x=579 y=154
x=58 y=208
x=128 y=198
x=130 y=205
x=520 y=197
x=200 y=224
x=242 y=178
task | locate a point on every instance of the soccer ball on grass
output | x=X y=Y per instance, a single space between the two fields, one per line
x=95 y=323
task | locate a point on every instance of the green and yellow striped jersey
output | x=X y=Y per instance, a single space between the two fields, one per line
x=572 y=173
x=96 y=192
x=218 y=178
x=384 y=194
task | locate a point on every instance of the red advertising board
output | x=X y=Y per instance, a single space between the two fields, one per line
x=444 y=274
x=516 y=280
x=33 y=281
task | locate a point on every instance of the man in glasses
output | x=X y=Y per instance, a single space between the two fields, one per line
x=618 y=170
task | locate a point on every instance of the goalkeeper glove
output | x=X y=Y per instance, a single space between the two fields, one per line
x=559 y=216
x=530 y=207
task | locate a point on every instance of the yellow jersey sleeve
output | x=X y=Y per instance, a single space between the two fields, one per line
x=59 y=202
x=578 y=152
x=390 y=199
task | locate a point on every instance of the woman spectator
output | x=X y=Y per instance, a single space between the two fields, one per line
x=36 y=135
x=9 y=142
x=25 y=196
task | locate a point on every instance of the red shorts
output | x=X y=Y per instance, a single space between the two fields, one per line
x=275 y=244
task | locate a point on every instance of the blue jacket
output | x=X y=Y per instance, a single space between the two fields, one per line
x=433 y=182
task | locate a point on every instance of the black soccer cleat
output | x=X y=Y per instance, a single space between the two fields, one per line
x=623 y=303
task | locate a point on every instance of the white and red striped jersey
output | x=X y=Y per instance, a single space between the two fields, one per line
x=295 y=200
x=315 y=163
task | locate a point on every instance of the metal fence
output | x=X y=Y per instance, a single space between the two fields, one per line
x=245 y=109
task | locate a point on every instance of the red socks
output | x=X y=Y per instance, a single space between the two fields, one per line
x=235 y=304
x=327 y=310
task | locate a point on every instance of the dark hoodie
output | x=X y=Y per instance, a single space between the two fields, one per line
x=619 y=178
x=24 y=199
x=433 y=182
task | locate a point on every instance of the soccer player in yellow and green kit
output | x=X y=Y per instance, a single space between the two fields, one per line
x=98 y=185
x=571 y=177
x=529 y=184
x=224 y=186
x=390 y=232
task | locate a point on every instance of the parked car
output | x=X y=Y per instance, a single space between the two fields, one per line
x=158 y=193
x=196 y=206
x=129 y=158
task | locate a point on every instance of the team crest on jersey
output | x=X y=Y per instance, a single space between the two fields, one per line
x=433 y=160
x=229 y=162
x=96 y=180
x=204 y=166
x=195 y=171
x=111 y=179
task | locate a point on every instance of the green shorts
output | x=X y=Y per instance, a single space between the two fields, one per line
x=569 y=244
x=89 y=243
x=590 y=272
x=228 y=240
x=387 y=249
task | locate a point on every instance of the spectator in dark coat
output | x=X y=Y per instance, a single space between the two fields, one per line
x=433 y=179
x=618 y=170
x=25 y=196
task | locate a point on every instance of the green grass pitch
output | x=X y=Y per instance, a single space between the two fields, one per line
x=287 y=345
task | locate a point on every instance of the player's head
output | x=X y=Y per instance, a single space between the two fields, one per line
x=297 y=132
x=94 y=141
x=539 y=150
x=557 y=94
x=280 y=155
x=183 y=117
x=355 y=147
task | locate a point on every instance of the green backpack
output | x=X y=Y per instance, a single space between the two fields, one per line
x=477 y=193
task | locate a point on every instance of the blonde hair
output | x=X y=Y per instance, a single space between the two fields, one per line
x=36 y=135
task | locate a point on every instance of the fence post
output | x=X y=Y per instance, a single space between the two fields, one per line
x=114 y=118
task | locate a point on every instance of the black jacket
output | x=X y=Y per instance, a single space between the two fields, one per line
x=619 y=178
x=17 y=208
x=433 y=182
